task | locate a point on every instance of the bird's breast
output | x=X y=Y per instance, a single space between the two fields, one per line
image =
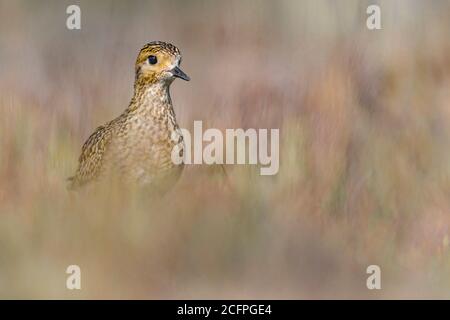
x=143 y=151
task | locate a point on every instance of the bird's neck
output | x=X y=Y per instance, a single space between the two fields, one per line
x=151 y=96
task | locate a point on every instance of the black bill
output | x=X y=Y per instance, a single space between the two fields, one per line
x=177 y=72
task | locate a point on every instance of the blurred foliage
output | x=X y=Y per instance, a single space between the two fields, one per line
x=364 y=155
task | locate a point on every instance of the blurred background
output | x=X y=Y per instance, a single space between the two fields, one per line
x=364 y=151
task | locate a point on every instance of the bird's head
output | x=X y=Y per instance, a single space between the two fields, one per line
x=159 y=62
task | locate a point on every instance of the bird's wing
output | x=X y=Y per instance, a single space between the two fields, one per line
x=92 y=154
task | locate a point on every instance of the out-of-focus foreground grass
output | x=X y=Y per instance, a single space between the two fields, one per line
x=364 y=151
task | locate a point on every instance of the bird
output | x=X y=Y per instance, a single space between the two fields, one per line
x=136 y=146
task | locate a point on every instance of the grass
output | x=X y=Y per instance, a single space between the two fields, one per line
x=364 y=154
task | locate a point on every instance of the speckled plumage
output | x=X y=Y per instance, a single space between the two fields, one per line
x=136 y=147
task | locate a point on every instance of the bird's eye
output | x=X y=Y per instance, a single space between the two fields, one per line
x=152 y=60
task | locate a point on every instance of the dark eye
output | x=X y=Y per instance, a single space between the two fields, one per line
x=152 y=60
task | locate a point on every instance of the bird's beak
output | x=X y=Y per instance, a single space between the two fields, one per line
x=177 y=72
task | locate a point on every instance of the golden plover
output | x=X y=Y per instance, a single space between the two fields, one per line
x=136 y=146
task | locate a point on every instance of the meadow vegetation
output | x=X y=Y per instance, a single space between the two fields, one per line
x=364 y=172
